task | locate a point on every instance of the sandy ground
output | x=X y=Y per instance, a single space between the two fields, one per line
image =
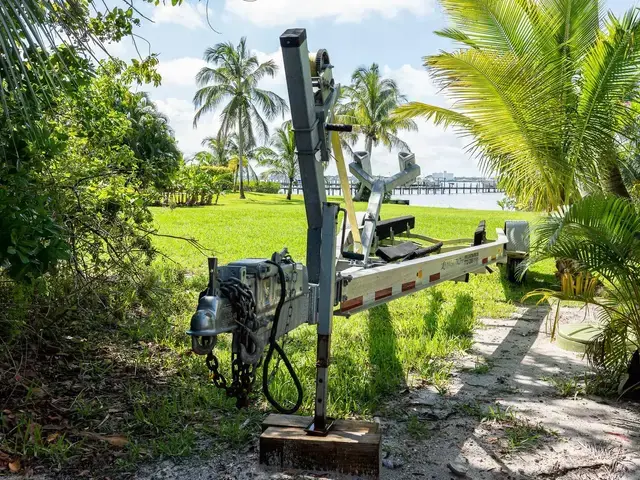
x=586 y=438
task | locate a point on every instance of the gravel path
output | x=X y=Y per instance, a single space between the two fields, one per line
x=429 y=435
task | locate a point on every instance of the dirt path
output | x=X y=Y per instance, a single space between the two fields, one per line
x=535 y=433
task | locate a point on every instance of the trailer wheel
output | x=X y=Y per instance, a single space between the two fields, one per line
x=512 y=266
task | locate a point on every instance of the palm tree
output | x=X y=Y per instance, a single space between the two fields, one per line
x=249 y=154
x=369 y=103
x=601 y=235
x=540 y=87
x=220 y=149
x=233 y=80
x=280 y=156
x=44 y=45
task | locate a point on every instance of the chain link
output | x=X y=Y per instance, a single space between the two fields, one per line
x=243 y=375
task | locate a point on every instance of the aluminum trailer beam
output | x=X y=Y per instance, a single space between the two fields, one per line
x=364 y=288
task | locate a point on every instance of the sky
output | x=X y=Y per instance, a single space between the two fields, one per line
x=395 y=34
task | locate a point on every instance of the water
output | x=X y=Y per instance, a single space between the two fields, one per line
x=472 y=201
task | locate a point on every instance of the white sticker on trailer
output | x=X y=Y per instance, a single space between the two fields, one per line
x=469 y=259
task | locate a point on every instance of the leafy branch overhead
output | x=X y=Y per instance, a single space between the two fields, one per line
x=32 y=36
x=541 y=88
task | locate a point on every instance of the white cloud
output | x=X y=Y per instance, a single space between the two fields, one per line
x=180 y=113
x=180 y=71
x=286 y=12
x=186 y=15
x=415 y=84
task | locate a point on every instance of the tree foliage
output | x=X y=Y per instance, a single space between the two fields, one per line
x=197 y=184
x=540 y=87
x=74 y=180
x=601 y=236
x=32 y=32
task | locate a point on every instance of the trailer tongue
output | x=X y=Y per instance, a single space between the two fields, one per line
x=364 y=263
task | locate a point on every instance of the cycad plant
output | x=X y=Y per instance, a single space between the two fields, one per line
x=541 y=88
x=601 y=234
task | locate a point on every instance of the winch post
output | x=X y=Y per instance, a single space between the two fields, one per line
x=304 y=119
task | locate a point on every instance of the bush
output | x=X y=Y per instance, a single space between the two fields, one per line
x=262 y=187
x=197 y=185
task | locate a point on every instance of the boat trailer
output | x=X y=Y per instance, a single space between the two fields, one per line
x=349 y=268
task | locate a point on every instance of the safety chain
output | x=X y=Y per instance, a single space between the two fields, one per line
x=243 y=375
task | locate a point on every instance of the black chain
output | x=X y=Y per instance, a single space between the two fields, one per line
x=243 y=375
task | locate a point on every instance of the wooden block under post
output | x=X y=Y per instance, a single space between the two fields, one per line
x=352 y=447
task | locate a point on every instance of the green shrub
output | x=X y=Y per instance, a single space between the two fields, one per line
x=263 y=187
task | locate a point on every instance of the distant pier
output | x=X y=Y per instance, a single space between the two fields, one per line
x=417 y=188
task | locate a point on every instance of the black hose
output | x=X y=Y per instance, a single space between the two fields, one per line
x=273 y=345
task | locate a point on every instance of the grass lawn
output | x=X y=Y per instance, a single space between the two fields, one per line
x=376 y=352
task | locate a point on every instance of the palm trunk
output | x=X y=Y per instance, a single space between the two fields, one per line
x=241 y=153
x=290 y=188
x=368 y=146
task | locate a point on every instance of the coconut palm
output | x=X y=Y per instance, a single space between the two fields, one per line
x=247 y=171
x=369 y=103
x=540 y=87
x=601 y=234
x=233 y=81
x=220 y=149
x=280 y=155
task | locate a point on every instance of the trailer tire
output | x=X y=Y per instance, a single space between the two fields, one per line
x=512 y=266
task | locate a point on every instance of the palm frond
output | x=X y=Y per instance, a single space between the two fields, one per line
x=499 y=25
x=440 y=116
x=611 y=68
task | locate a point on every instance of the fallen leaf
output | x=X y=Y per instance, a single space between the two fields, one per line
x=38 y=392
x=53 y=437
x=117 y=440
x=621 y=436
x=14 y=466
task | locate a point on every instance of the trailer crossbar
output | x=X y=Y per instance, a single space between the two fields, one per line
x=364 y=288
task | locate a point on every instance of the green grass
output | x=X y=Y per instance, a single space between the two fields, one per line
x=567 y=386
x=375 y=352
x=165 y=404
x=265 y=223
x=519 y=432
